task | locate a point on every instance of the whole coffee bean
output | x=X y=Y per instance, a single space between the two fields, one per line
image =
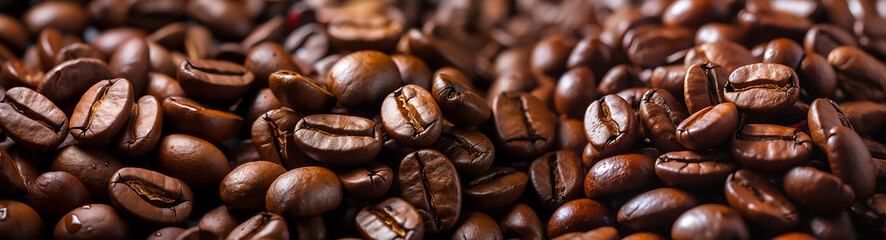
x=771 y=148
x=363 y=77
x=32 y=120
x=774 y=21
x=575 y=91
x=578 y=216
x=689 y=169
x=257 y=104
x=521 y=221
x=694 y=13
x=19 y=221
x=411 y=117
x=162 y=86
x=817 y=78
x=263 y=225
x=709 y=221
x=649 y=46
x=338 y=139
x=93 y=167
x=300 y=92
x=370 y=182
x=55 y=193
x=557 y=178
x=14 y=35
x=216 y=81
x=498 y=188
x=762 y=88
x=823 y=115
x=198 y=42
x=227 y=19
x=818 y=190
x=364 y=30
x=244 y=188
x=611 y=124
x=142 y=131
x=161 y=60
x=16 y=173
x=151 y=197
x=19 y=74
x=618 y=78
x=619 y=174
x=600 y=233
x=471 y=152
x=68 y=17
x=304 y=191
x=851 y=161
x=514 y=81
x=132 y=61
x=392 y=218
x=70 y=79
x=181 y=156
x=760 y=201
x=413 y=70
x=524 y=125
x=167 y=233
x=856 y=67
x=77 y=50
x=273 y=138
x=570 y=135
x=783 y=51
x=91 y=221
x=267 y=58
x=703 y=85
x=309 y=43
x=593 y=53
x=477 y=225
x=430 y=182
x=708 y=127
x=102 y=111
x=109 y=40
x=822 y=38
x=218 y=223
x=459 y=103
x=192 y=233
x=549 y=55
x=660 y=113
x=193 y=118
x=669 y=78
x=836 y=226
x=655 y=209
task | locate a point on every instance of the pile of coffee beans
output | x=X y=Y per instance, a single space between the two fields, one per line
x=436 y=119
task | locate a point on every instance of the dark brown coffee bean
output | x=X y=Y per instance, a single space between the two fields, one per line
x=710 y=221
x=102 y=111
x=55 y=193
x=392 y=218
x=760 y=201
x=859 y=72
x=550 y=54
x=521 y=221
x=161 y=60
x=227 y=19
x=866 y=117
x=430 y=182
x=218 y=223
x=471 y=152
x=411 y=117
x=851 y=161
x=272 y=30
x=578 y=216
x=273 y=138
x=303 y=192
x=245 y=187
x=20 y=221
x=477 y=225
x=16 y=172
x=32 y=120
x=872 y=212
x=195 y=161
x=162 y=86
x=151 y=197
x=142 y=131
x=109 y=40
x=655 y=209
x=213 y=80
x=132 y=61
x=557 y=178
x=762 y=88
x=823 y=115
x=338 y=139
x=783 y=51
x=649 y=46
x=600 y=233
x=524 y=124
x=93 y=167
x=575 y=91
x=14 y=34
x=498 y=188
x=773 y=21
x=263 y=225
x=688 y=169
x=591 y=52
x=364 y=31
x=818 y=190
x=617 y=174
x=694 y=13
x=708 y=127
x=441 y=52
x=618 y=78
x=231 y=52
x=835 y=226
x=715 y=32
x=413 y=70
x=363 y=77
x=77 y=50
x=19 y=74
x=68 y=17
x=192 y=118
x=770 y=148
x=92 y=221
x=300 y=92
x=822 y=38
x=267 y=58
x=703 y=86
x=670 y=78
x=70 y=79
x=370 y=182
x=730 y=55
x=308 y=43
x=611 y=125
x=816 y=76
x=570 y=135
x=198 y=42
x=660 y=113
x=459 y=103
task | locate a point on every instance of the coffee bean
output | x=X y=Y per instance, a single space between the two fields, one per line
x=591 y=52
x=151 y=197
x=272 y=30
x=521 y=221
x=92 y=221
x=611 y=124
x=471 y=152
x=836 y=226
x=498 y=188
x=214 y=81
x=226 y=19
x=818 y=190
x=55 y=193
x=338 y=139
x=524 y=124
x=817 y=78
x=783 y=51
x=430 y=182
x=715 y=32
x=193 y=118
x=32 y=120
x=244 y=187
x=851 y=161
x=300 y=92
x=762 y=88
x=132 y=61
x=370 y=182
x=93 y=167
x=309 y=43
x=364 y=30
x=109 y=40
x=618 y=78
x=218 y=223
x=550 y=54
x=413 y=70
x=162 y=86
x=263 y=225
x=822 y=38
x=712 y=221
x=649 y=46
x=688 y=169
x=728 y=54
x=704 y=85
x=20 y=221
x=19 y=74
x=411 y=117
x=272 y=135
x=459 y=103
x=363 y=77
x=303 y=192
x=660 y=113
x=195 y=161
x=578 y=216
x=102 y=111
x=773 y=211
x=68 y=17
x=575 y=90
x=77 y=50
x=859 y=72
x=823 y=115
x=708 y=127
x=392 y=218
x=754 y=146
x=618 y=174
x=14 y=35
x=440 y=52
x=655 y=209
x=142 y=131
x=557 y=178
x=17 y=172
x=70 y=79
x=265 y=59
x=477 y=225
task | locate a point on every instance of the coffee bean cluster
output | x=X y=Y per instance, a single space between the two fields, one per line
x=436 y=119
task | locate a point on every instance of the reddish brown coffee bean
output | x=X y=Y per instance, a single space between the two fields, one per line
x=195 y=161
x=688 y=169
x=193 y=118
x=55 y=193
x=760 y=201
x=338 y=139
x=703 y=86
x=611 y=125
x=151 y=197
x=523 y=123
x=459 y=103
x=498 y=188
x=102 y=111
x=369 y=182
x=851 y=161
x=245 y=187
x=578 y=216
x=92 y=221
x=215 y=81
x=363 y=77
x=93 y=167
x=132 y=61
x=708 y=127
x=655 y=209
x=619 y=174
x=710 y=221
x=304 y=191
x=70 y=79
x=20 y=221
x=762 y=88
x=770 y=148
x=818 y=190
x=32 y=120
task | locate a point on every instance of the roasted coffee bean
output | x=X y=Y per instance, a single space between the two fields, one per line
x=93 y=167
x=304 y=191
x=167 y=233
x=817 y=190
x=618 y=174
x=762 y=88
x=471 y=152
x=226 y=19
x=771 y=148
x=783 y=51
x=392 y=218
x=578 y=216
x=525 y=126
x=55 y=193
x=866 y=117
x=570 y=135
x=245 y=187
x=851 y=161
x=132 y=61
x=611 y=125
x=773 y=21
x=109 y=40
x=300 y=92
x=20 y=221
x=363 y=77
x=48 y=45
x=142 y=131
x=708 y=127
x=704 y=85
x=411 y=117
x=688 y=169
x=370 y=182
x=710 y=221
x=162 y=86
x=693 y=13
x=161 y=60
x=822 y=38
x=77 y=50
x=816 y=77
x=430 y=182
x=92 y=221
x=660 y=113
x=364 y=31
x=477 y=225
x=14 y=35
x=309 y=43
x=715 y=32
x=823 y=115
x=557 y=178
x=728 y=54
x=549 y=55
x=17 y=172
x=263 y=225
x=193 y=160
x=198 y=42
x=254 y=106
x=460 y=104
x=272 y=134
x=521 y=221
x=193 y=118
x=151 y=197
x=575 y=90
x=601 y=233
x=760 y=201
x=649 y=46
x=591 y=52
x=413 y=70
x=859 y=73
x=70 y=79
x=267 y=58
x=498 y=188
x=19 y=74
x=836 y=226
x=669 y=78
x=218 y=223
x=618 y=78
x=655 y=209
x=102 y=111
x=32 y=120
x=212 y=80
x=338 y=139
x=872 y=212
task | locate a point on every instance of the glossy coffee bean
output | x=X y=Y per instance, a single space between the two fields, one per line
x=193 y=160
x=851 y=161
x=601 y=233
x=859 y=72
x=369 y=182
x=783 y=51
x=575 y=90
x=229 y=20
x=17 y=172
x=688 y=169
x=557 y=178
x=818 y=190
x=836 y=226
x=19 y=221
x=708 y=127
x=151 y=197
x=709 y=221
x=214 y=81
x=660 y=113
x=413 y=71
x=55 y=193
x=611 y=125
x=471 y=152
x=244 y=188
x=498 y=188
x=822 y=38
x=363 y=77
x=272 y=135
x=649 y=46
x=218 y=223
x=132 y=61
x=823 y=115
x=524 y=124
x=714 y=32
x=263 y=225
x=617 y=174
x=300 y=92
x=392 y=218
x=477 y=225
x=32 y=120
x=703 y=86
x=93 y=167
x=303 y=192
x=816 y=77
x=162 y=86
x=364 y=30
x=68 y=17
x=77 y=50
x=70 y=79
x=771 y=148
x=411 y=117
x=92 y=221
x=102 y=111
x=309 y=43
x=762 y=88
x=19 y=74
x=142 y=130
x=618 y=78
x=655 y=209
x=193 y=118
x=760 y=201
x=459 y=103
x=266 y=58
x=521 y=221
x=338 y=139
x=578 y=216
x=728 y=54
x=430 y=182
